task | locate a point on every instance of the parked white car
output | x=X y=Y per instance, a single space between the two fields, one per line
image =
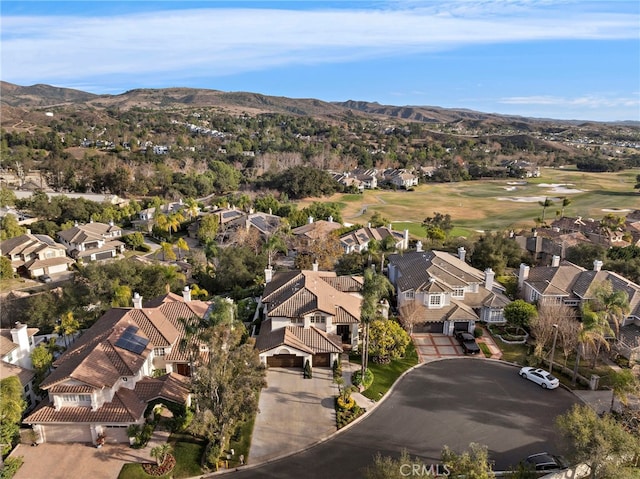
x=541 y=377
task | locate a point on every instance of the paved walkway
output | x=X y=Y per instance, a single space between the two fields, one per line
x=347 y=370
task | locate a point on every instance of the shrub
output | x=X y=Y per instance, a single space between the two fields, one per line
x=477 y=332
x=307 y=374
x=11 y=466
x=346 y=403
x=357 y=380
x=337 y=370
x=162 y=469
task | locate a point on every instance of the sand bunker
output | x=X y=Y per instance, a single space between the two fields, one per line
x=525 y=199
x=509 y=188
x=560 y=188
x=616 y=210
x=517 y=183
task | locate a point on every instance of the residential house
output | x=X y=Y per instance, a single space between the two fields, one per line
x=314 y=230
x=35 y=255
x=451 y=294
x=545 y=243
x=309 y=316
x=564 y=283
x=21 y=217
x=592 y=229
x=358 y=240
x=400 y=178
x=146 y=217
x=359 y=178
x=92 y=241
x=105 y=381
x=16 y=345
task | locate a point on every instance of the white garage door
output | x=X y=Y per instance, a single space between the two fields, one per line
x=68 y=433
x=60 y=268
x=116 y=434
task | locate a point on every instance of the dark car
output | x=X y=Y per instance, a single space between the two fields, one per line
x=45 y=278
x=468 y=342
x=545 y=462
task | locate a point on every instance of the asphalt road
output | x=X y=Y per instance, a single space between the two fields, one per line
x=453 y=402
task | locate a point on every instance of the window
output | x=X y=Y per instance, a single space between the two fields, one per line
x=26 y=388
x=297 y=320
x=75 y=398
x=317 y=319
x=458 y=292
x=409 y=294
x=435 y=300
x=159 y=351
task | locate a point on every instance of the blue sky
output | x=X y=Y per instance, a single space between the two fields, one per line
x=540 y=58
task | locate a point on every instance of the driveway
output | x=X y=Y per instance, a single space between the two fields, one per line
x=294 y=413
x=432 y=346
x=452 y=402
x=65 y=461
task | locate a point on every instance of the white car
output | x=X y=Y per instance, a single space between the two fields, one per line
x=541 y=377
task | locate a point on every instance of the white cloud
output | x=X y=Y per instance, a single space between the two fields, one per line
x=587 y=101
x=218 y=42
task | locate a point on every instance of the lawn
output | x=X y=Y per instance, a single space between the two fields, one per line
x=475 y=206
x=384 y=375
x=241 y=442
x=187 y=450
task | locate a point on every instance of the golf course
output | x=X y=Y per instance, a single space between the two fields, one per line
x=495 y=205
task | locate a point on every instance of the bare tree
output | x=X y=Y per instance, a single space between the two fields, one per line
x=569 y=333
x=411 y=314
x=542 y=327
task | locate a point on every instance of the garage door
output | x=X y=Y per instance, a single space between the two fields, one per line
x=437 y=327
x=322 y=360
x=285 y=361
x=105 y=255
x=59 y=268
x=68 y=433
x=116 y=434
x=461 y=326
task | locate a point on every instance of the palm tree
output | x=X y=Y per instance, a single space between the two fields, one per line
x=275 y=243
x=613 y=306
x=169 y=223
x=167 y=251
x=565 y=202
x=387 y=245
x=161 y=452
x=191 y=207
x=545 y=204
x=182 y=245
x=68 y=326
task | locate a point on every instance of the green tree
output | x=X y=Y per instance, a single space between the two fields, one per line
x=68 y=326
x=7 y=197
x=520 y=313
x=565 y=202
x=133 y=240
x=612 y=305
x=385 y=467
x=161 y=452
x=122 y=296
x=208 y=228
x=169 y=223
x=226 y=178
x=9 y=227
x=11 y=408
x=387 y=341
x=166 y=249
x=471 y=464
x=496 y=251
x=601 y=443
x=623 y=383
x=545 y=204
x=41 y=358
x=6 y=270
x=274 y=244
x=182 y=245
x=374 y=289
x=439 y=221
x=227 y=382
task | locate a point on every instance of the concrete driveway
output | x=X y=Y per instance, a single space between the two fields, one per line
x=294 y=413
x=66 y=461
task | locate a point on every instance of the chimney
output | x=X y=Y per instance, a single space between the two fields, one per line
x=75 y=223
x=186 y=294
x=406 y=239
x=20 y=337
x=111 y=223
x=268 y=274
x=368 y=225
x=137 y=301
x=28 y=231
x=597 y=265
x=489 y=275
x=390 y=227
x=330 y=219
x=419 y=246
x=314 y=266
x=535 y=234
x=555 y=261
x=270 y=211
x=310 y=219
x=462 y=253
x=250 y=211
x=523 y=274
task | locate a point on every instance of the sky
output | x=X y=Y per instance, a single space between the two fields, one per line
x=574 y=59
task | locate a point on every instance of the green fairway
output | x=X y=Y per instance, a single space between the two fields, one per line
x=496 y=205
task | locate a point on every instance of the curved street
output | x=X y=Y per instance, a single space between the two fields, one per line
x=451 y=402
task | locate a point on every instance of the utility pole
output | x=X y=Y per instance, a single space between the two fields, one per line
x=553 y=348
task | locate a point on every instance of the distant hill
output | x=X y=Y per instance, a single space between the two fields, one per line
x=42 y=96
